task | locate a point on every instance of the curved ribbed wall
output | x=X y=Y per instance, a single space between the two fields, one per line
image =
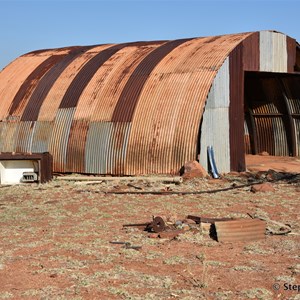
x=131 y=108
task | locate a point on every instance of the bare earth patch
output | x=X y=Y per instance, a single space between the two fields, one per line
x=55 y=242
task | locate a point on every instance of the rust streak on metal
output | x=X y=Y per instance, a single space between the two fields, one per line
x=125 y=107
x=46 y=83
x=81 y=80
x=20 y=100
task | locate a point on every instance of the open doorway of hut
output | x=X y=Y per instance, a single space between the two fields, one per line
x=272 y=113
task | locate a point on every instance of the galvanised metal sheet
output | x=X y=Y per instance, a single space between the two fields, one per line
x=96 y=149
x=106 y=141
x=24 y=139
x=8 y=136
x=12 y=78
x=273 y=52
x=60 y=137
x=215 y=121
x=41 y=136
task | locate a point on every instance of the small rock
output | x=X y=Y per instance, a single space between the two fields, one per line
x=264 y=153
x=193 y=169
x=153 y=235
x=263 y=187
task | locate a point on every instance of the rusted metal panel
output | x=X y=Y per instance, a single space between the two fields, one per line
x=52 y=101
x=215 y=121
x=41 y=136
x=127 y=102
x=59 y=138
x=197 y=62
x=46 y=83
x=24 y=138
x=240 y=230
x=251 y=54
x=118 y=147
x=236 y=110
x=12 y=77
x=291 y=54
x=20 y=100
x=101 y=95
x=273 y=52
x=76 y=146
x=291 y=87
x=81 y=80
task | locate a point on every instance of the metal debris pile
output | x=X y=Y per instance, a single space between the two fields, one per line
x=219 y=229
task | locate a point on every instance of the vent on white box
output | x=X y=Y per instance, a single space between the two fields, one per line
x=29 y=177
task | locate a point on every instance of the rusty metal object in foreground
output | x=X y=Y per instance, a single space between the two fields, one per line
x=243 y=230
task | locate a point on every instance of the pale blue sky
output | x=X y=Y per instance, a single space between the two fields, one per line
x=27 y=25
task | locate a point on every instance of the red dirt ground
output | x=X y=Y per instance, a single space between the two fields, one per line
x=55 y=239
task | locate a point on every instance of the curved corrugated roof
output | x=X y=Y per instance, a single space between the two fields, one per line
x=112 y=109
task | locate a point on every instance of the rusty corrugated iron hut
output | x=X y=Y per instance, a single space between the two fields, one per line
x=148 y=107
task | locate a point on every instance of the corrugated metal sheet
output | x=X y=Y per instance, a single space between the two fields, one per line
x=46 y=83
x=127 y=102
x=144 y=101
x=97 y=147
x=151 y=126
x=273 y=52
x=297 y=137
x=240 y=230
x=215 y=122
x=41 y=136
x=251 y=54
x=12 y=77
x=53 y=99
x=247 y=141
x=8 y=136
x=291 y=50
x=20 y=100
x=236 y=110
x=76 y=146
x=101 y=96
x=83 y=77
x=107 y=142
x=24 y=139
x=60 y=137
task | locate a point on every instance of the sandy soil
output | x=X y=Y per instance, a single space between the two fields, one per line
x=55 y=240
